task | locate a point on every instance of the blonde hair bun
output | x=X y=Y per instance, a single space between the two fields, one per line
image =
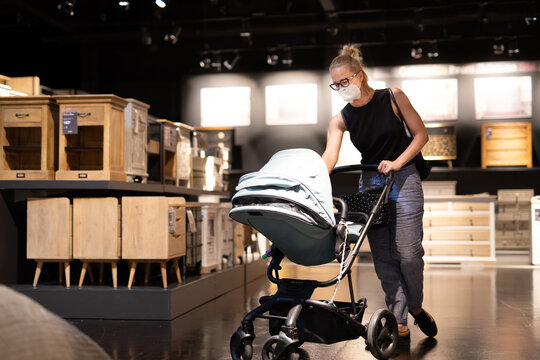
x=352 y=51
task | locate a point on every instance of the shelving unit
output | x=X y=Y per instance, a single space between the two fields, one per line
x=459 y=229
x=28 y=138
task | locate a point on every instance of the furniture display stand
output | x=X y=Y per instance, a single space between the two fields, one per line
x=513 y=226
x=506 y=144
x=49 y=234
x=459 y=229
x=96 y=234
x=28 y=128
x=135 y=148
x=442 y=143
x=94 y=148
x=153 y=230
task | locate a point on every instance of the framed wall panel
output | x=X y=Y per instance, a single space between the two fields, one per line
x=503 y=97
x=226 y=106
x=292 y=104
x=433 y=99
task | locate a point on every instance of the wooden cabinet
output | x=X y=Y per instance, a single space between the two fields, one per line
x=225 y=234
x=96 y=150
x=442 y=142
x=97 y=234
x=513 y=219
x=459 y=229
x=135 y=139
x=153 y=230
x=28 y=138
x=49 y=234
x=506 y=144
x=209 y=250
x=183 y=155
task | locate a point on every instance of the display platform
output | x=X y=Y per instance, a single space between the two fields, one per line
x=142 y=302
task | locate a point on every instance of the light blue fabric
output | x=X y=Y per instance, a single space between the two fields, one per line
x=289 y=200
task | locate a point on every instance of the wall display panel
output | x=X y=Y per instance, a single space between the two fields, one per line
x=226 y=106
x=433 y=99
x=503 y=97
x=294 y=104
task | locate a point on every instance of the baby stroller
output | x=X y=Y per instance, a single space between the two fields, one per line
x=290 y=202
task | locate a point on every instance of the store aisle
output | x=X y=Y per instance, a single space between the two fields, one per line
x=482 y=313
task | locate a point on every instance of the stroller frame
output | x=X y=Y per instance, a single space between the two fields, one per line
x=294 y=318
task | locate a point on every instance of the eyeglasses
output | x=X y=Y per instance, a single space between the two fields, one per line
x=342 y=83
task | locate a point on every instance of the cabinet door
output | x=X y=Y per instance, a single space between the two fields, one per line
x=138 y=134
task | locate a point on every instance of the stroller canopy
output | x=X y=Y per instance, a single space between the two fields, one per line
x=289 y=200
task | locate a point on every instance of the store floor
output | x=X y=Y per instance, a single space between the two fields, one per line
x=483 y=312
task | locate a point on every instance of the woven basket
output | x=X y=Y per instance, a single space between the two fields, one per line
x=360 y=204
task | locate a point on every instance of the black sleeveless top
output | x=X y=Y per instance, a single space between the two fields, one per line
x=375 y=130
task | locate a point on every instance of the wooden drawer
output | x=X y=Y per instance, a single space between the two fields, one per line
x=86 y=114
x=457 y=250
x=514 y=207
x=456 y=235
x=431 y=220
x=21 y=115
x=513 y=216
x=513 y=239
x=470 y=206
x=506 y=144
x=436 y=206
x=177 y=229
x=515 y=196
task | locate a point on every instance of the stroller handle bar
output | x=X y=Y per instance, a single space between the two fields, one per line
x=355 y=167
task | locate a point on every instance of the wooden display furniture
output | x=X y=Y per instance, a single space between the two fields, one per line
x=225 y=236
x=183 y=155
x=442 y=143
x=153 y=231
x=169 y=137
x=135 y=147
x=513 y=219
x=192 y=260
x=459 y=229
x=96 y=234
x=96 y=151
x=28 y=138
x=506 y=144
x=209 y=250
x=49 y=234
x=242 y=239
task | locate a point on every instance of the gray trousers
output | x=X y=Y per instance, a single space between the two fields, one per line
x=397 y=248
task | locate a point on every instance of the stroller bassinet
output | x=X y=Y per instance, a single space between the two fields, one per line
x=290 y=201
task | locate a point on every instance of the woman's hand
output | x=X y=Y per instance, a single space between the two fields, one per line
x=386 y=166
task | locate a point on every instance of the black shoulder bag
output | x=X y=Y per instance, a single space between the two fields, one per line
x=423 y=167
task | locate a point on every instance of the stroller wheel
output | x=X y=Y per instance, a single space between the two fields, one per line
x=293 y=353
x=382 y=334
x=241 y=349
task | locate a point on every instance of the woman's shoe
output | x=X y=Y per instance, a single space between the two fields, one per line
x=404 y=338
x=426 y=323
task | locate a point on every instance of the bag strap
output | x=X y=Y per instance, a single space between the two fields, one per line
x=400 y=115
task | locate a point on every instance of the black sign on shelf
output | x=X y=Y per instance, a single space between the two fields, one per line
x=69 y=123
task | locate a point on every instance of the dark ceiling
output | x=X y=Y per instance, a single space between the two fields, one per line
x=102 y=40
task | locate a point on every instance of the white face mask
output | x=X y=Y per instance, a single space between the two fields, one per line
x=350 y=93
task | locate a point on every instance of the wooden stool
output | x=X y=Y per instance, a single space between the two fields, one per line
x=86 y=266
x=163 y=265
x=66 y=269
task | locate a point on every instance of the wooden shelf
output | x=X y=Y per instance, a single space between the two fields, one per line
x=19 y=148
x=83 y=148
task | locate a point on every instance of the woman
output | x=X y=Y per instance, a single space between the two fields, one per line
x=371 y=117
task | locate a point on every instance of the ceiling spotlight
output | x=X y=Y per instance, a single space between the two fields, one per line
x=287 y=58
x=416 y=52
x=161 y=3
x=513 y=48
x=172 y=37
x=498 y=47
x=272 y=59
x=216 y=63
x=67 y=7
x=433 y=51
x=205 y=63
x=229 y=65
x=124 y=4
x=530 y=20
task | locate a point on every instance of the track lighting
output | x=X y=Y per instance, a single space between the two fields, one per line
x=286 y=59
x=67 y=7
x=498 y=47
x=513 y=48
x=161 y=3
x=416 y=52
x=229 y=65
x=272 y=59
x=433 y=51
x=172 y=37
x=205 y=63
x=124 y=4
